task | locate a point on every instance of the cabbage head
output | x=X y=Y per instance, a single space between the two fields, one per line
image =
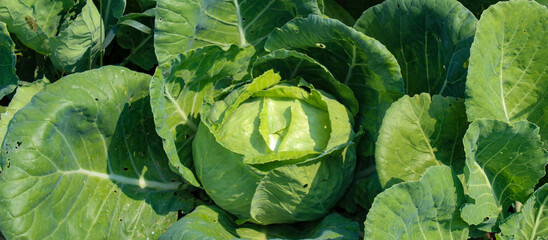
x=275 y=151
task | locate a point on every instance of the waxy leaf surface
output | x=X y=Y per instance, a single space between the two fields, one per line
x=417 y=133
x=82 y=160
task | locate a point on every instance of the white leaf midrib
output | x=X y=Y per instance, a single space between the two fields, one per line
x=141 y=182
x=243 y=41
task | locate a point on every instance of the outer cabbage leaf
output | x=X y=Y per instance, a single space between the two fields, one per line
x=8 y=78
x=532 y=221
x=20 y=99
x=210 y=222
x=508 y=77
x=177 y=92
x=427 y=209
x=34 y=21
x=418 y=133
x=82 y=160
x=430 y=39
x=186 y=25
x=76 y=47
x=360 y=62
x=503 y=164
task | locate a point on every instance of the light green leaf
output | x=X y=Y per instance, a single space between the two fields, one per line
x=305 y=191
x=82 y=161
x=212 y=223
x=286 y=190
x=417 y=133
x=291 y=64
x=204 y=223
x=177 y=92
x=427 y=209
x=532 y=221
x=20 y=99
x=77 y=46
x=503 y=164
x=8 y=78
x=34 y=21
x=360 y=62
x=508 y=77
x=430 y=38
x=186 y=25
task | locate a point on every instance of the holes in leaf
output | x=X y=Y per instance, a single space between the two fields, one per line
x=9 y=164
x=125 y=169
x=19 y=144
x=398 y=5
x=243 y=19
x=174 y=193
x=305 y=186
x=96 y=99
x=160 y=19
x=172 y=180
x=187 y=136
x=450 y=104
x=486 y=219
x=320 y=45
x=115 y=191
x=251 y=31
x=296 y=30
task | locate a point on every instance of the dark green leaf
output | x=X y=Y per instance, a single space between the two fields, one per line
x=333 y=10
x=8 y=78
x=430 y=38
x=186 y=25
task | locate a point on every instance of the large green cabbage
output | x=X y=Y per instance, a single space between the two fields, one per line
x=270 y=151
